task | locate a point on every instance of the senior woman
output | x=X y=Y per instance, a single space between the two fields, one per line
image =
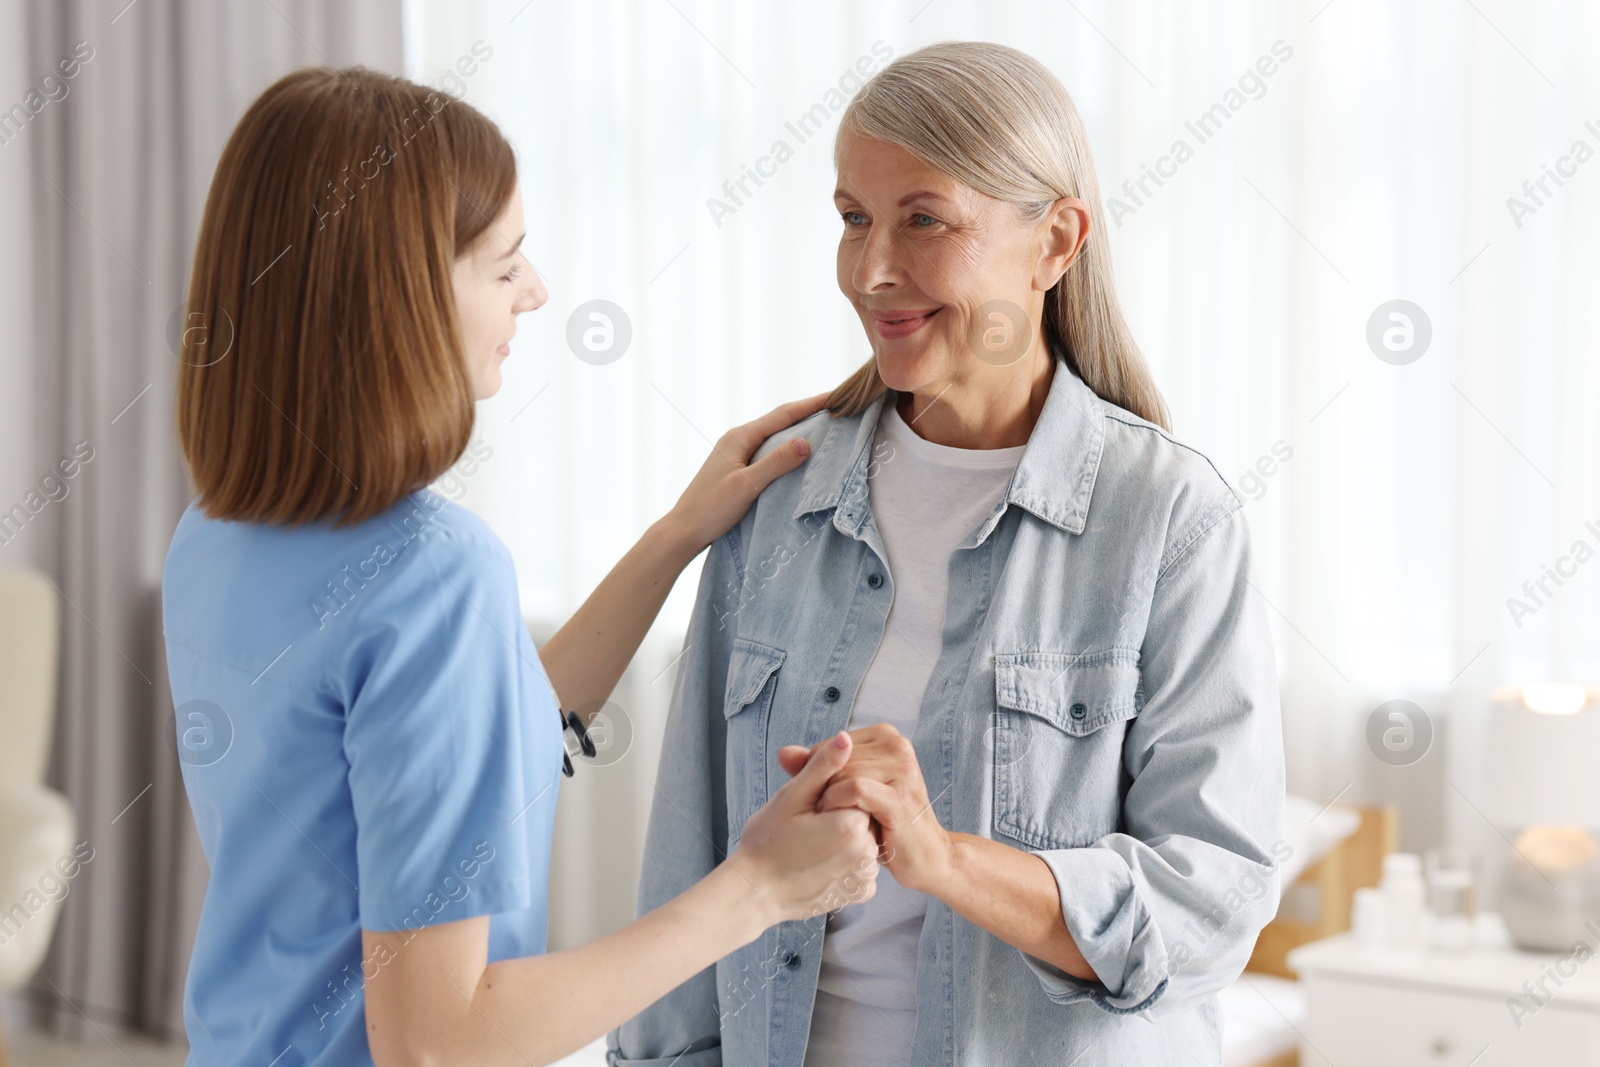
x=1031 y=606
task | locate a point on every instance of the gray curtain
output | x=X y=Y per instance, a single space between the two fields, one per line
x=121 y=168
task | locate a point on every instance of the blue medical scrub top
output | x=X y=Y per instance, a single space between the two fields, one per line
x=368 y=740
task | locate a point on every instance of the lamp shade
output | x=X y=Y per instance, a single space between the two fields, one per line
x=1542 y=767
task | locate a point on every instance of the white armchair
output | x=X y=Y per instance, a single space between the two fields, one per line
x=36 y=823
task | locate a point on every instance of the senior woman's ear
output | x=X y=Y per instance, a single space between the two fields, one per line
x=1066 y=227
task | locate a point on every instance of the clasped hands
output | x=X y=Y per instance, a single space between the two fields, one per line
x=883 y=779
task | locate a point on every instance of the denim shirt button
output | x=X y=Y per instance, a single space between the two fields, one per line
x=875 y=580
x=832 y=693
x=791 y=960
x=1078 y=711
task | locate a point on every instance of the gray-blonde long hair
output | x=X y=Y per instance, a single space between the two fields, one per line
x=999 y=121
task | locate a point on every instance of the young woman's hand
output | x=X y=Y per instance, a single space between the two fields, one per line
x=883 y=779
x=803 y=861
x=728 y=483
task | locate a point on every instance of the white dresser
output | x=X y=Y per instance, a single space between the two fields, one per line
x=1490 y=1006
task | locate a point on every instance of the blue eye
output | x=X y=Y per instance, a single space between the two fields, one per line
x=919 y=216
x=851 y=217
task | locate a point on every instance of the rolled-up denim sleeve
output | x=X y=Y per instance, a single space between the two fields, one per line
x=687 y=834
x=1166 y=911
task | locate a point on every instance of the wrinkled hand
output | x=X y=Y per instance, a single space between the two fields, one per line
x=883 y=779
x=728 y=483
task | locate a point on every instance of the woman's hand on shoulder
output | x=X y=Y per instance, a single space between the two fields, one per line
x=728 y=483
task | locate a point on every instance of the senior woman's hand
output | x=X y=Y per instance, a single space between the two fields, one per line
x=884 y=780
x=1008 y=892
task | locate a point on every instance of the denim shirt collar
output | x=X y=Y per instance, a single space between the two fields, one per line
x=1054 y=479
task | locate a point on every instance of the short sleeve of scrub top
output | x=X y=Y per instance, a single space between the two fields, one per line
x=367 y=740
x=434 y=732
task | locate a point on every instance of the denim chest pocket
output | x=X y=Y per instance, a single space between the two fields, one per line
x=752 y=683
x=1060 y=721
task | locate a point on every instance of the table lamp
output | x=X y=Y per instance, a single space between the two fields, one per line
x=1541 y=748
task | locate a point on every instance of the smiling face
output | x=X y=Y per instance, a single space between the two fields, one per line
x=494 y=283
x=921 y=256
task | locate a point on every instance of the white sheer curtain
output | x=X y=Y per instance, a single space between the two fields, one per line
x=1373 y=163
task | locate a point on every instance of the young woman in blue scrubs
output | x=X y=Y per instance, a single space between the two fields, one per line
x=371 y=744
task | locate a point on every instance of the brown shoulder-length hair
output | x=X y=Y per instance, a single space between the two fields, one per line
x=998 y=120
x=322 y=376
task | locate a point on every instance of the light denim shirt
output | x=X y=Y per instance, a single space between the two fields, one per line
x=1105 y=697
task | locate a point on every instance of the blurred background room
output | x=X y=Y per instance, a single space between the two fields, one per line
x=1353 y=237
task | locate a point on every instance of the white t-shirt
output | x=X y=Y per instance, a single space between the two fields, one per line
x=926 y=499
